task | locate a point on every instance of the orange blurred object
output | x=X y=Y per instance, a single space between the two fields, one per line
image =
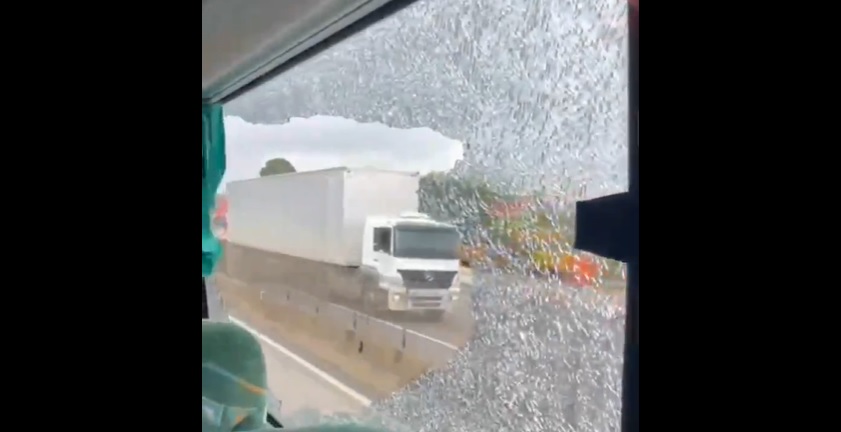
x=581 y=270
x=219 y=219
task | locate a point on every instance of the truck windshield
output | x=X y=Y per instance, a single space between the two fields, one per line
x=426 y=242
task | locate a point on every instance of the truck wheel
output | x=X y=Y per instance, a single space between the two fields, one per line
x=369 y=301
x=434 y=315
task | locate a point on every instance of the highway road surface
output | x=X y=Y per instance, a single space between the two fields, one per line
x=305 y=385
x=302 y=386
x=457 y=326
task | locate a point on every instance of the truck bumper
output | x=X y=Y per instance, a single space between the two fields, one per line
x=421 y=300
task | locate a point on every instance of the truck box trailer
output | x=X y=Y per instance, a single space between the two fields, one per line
x=349 y=234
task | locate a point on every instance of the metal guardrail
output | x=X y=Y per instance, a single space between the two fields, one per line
x=366 y=327
x=346 y=324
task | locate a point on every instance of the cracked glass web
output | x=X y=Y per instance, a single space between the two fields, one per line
x=537 y=92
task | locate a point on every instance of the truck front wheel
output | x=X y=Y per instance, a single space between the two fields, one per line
x=369 y=301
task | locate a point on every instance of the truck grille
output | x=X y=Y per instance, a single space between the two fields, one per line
x=419 y=279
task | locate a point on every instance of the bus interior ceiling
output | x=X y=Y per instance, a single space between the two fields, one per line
x=244 y=43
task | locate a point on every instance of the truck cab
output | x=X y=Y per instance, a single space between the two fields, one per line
x=414 y=262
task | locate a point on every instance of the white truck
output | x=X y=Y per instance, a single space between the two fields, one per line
x=350 y=235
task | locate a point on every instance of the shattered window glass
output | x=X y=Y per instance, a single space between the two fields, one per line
x=509 y=111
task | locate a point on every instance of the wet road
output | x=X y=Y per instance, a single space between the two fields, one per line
x=302 y=386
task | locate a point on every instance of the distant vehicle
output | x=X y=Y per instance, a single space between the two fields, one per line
x=345 y=234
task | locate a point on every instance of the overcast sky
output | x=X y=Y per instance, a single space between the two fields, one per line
x=325 y=142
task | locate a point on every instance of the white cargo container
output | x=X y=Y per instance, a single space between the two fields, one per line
x=346 y=232
x=317 y=215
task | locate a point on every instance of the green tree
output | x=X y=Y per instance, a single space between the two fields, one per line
x=276 y=166
x=445 y=196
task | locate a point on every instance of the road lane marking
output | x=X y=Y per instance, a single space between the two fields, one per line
x=364 y=401
x=428 y=337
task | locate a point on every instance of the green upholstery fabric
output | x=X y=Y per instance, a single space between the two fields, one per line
x=213 y=169
x=233 y=379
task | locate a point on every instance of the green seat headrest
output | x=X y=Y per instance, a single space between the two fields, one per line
x=233 y=379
